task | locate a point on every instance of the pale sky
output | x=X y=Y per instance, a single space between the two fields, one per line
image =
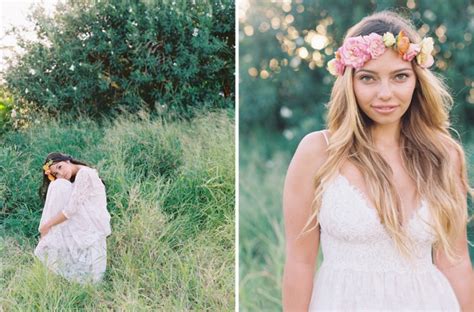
x=14 y=13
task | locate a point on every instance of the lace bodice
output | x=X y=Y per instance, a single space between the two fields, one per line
x=352 y=236
x=363 y=270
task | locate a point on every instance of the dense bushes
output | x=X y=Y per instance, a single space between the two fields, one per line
x=103 y=57
x=6 y=110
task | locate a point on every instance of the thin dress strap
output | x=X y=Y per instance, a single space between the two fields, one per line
x=326 y=137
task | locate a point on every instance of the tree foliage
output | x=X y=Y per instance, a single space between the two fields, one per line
x=102 y=57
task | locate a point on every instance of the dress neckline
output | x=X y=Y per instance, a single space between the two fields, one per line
x=368 y=204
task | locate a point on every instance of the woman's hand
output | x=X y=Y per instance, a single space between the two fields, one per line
x=59 y=218
x=44 y=229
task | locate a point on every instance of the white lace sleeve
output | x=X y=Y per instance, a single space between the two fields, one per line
x=81 y=190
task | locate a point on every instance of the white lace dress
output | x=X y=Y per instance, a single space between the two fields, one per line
x=363 y=271
x=76 y=248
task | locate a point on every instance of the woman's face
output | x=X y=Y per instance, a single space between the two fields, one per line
x=62 y=170
x=384 y=88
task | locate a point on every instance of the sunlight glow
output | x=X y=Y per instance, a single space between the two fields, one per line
x=319 y=42
x=14 y=13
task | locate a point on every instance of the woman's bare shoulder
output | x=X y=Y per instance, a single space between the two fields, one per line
x=455 y=151
x=312 y=150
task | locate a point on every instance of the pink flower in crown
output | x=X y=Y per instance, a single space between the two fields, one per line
x=375 y=45
x=413 y=51
x=354 y=52
x=340 y=67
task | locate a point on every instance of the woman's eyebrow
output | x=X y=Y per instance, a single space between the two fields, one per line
x=401 y=69
x=374 y=72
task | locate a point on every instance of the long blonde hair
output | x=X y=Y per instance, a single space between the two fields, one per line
x=425 y=142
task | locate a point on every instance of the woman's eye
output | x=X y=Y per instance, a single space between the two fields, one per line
x=366 y=78
x=401 y=77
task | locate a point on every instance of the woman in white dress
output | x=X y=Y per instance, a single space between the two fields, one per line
x=75 y=221
x=383 y=190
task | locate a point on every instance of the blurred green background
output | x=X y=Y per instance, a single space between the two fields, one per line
x=284 y=86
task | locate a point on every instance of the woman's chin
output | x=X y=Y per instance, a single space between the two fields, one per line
x=385 y=121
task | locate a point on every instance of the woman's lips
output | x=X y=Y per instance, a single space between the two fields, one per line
x=385 y=109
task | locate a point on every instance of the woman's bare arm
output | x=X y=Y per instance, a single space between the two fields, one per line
x=301 y=251
x=59 y=218
x=459 y=273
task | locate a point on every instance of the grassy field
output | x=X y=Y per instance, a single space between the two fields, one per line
x=171 y=195
x=263 y=164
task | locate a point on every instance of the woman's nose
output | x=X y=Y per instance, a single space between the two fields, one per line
x=385 y=91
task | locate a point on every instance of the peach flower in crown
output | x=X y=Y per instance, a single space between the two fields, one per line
x=335 y=66
x=47 y=170
x=356 y=51
x=425 y=57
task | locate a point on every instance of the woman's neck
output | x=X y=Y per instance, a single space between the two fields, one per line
x=75 y=169
x=386 y=137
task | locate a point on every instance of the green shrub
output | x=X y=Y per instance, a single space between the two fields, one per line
x=103 y=57
x=7 y=111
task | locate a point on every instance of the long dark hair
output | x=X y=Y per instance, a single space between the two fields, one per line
x=55 y=158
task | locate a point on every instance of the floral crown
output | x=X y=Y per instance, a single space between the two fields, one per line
x=356 y=51
x=47 y=170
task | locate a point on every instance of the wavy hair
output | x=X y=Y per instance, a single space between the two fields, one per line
x=425 y=143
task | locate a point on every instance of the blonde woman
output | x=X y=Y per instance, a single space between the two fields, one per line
x=75 y=221
x=382 y=190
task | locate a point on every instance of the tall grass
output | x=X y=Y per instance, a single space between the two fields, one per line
x=171 y=195
x=264 y=159
x=261 y=241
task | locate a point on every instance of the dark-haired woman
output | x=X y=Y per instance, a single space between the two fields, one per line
x=75 y=221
